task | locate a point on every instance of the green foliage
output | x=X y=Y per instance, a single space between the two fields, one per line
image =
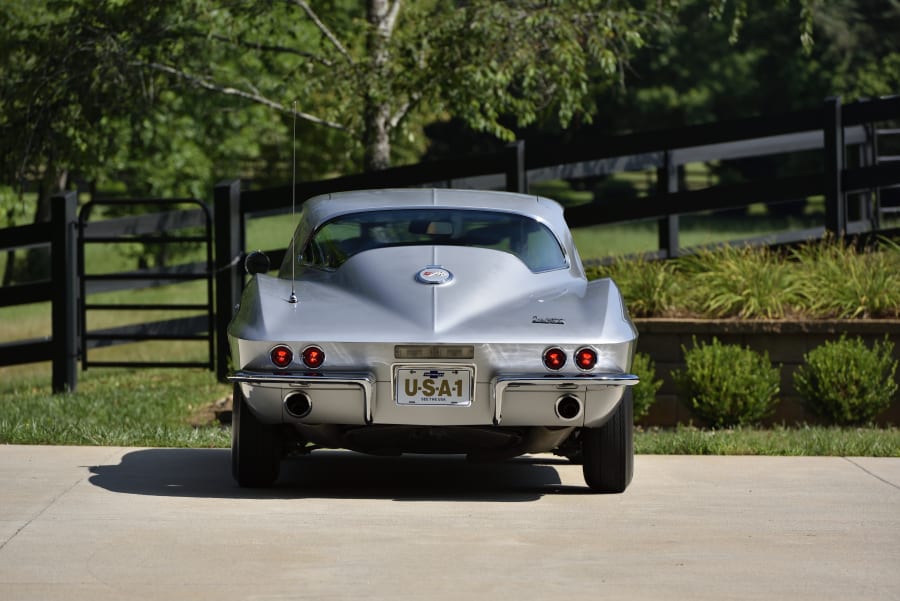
x=746 y=282
x=880 y=76
x=650 y=288
x=828 y=279
x=837 y=280
x=542 y=57
x=699 y=71
x=161 y=95
x=45 y=81
x=728 y=385
x=77 y=96
x=846 y=382
x=644 y=393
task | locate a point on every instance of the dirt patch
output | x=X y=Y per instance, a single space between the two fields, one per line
x=217 y=412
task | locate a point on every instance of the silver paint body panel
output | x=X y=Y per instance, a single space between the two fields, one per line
x=358 y=313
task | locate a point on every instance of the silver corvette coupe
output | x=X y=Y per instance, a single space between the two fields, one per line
x=432 y=321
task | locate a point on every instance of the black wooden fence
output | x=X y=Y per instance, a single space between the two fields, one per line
x=844 y=137
x=60 y=233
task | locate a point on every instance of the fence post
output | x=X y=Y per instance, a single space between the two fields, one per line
x=868 y=201
x=229 y=248
x=667 y=227
x=835 y=200
x=63 y=269
x=515 y=170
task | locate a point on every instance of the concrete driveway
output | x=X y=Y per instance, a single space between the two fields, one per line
x=104 y=523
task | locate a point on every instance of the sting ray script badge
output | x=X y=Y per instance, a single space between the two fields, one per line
x=556 y=321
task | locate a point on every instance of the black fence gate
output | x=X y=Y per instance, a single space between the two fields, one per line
x=171 y=225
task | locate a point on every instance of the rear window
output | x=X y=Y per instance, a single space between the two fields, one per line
x=341 y=238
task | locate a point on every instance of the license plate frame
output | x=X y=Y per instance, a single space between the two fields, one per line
x=434 y=385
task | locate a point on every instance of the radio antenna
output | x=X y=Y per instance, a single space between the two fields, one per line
x=293 y=297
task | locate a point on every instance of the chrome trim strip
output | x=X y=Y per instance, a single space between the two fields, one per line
x=500 y=383
x=365 y=380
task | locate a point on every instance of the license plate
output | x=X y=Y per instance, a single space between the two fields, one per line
x=434 y=386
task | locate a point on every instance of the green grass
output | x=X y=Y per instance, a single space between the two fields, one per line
x=270 y=233
x=778 y=441
x=152 y=407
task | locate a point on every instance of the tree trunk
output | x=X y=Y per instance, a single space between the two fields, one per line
x=382 y=15
x=376 y=136
x=37 y=260
x=9 y=270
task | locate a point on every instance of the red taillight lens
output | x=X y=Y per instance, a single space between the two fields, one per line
x=281 y=356
x=313 y=356
x=586 y=358
x=554 y=358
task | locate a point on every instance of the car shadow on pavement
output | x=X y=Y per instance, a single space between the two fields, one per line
x=206 y=473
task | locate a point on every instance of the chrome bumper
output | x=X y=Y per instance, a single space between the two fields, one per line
x=300 y=380
x=573 y=384
x=529 y=393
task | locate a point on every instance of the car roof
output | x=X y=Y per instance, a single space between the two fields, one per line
x=320 y=209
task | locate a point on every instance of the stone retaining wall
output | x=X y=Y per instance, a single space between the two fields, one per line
x=785 y=341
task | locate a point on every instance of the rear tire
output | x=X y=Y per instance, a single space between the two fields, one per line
x=608 y=451
x=256 y=448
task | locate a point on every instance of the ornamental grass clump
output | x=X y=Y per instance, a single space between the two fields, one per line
x=838 y=281
x=650 y=288
x=847 y=383
x=728 y=385
x=746 y=282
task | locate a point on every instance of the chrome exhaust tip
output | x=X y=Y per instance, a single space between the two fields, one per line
x=568 y=407
x=297 y=404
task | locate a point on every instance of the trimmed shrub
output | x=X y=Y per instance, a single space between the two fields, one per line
x=644 y=393
x=846 y=382
x=728 y=385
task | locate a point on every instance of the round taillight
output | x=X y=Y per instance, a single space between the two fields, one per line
x=586 y=358
x=554 y=358
x=281 y=356
x=313 y=357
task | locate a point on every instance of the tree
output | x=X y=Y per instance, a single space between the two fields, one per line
x=73 y=104
x=379 y=74
x=685 y=77
x=382 y=73
x=52 y=94
x=100 y=87
x=374 y=74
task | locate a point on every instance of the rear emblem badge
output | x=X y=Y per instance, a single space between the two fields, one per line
x=434 y=275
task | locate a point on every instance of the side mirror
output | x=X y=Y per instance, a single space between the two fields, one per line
x=256 y=262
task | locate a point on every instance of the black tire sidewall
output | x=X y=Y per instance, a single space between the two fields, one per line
x=255 y=447
x=608 y=451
